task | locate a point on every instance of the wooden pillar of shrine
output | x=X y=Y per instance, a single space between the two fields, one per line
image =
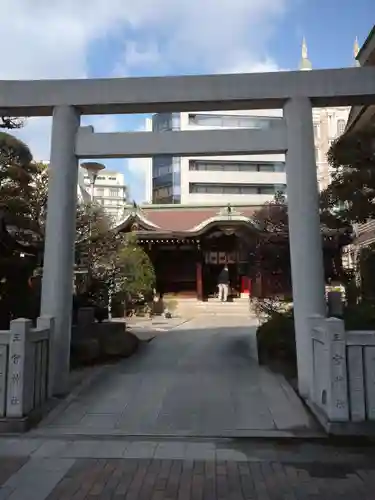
x=258 y=291
x=199 y=271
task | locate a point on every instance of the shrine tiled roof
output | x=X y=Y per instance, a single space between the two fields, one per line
x=187 y=218
x=181 y=218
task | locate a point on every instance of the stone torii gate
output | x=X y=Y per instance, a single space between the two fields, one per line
x=296 y=92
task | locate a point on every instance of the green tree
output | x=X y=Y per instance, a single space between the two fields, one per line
x=351 y=195
x=272 y=252
x=271 y=256
x=112 y=259
x=135 y=267
x=18 y=250
x=115 y=263
x=17 y=172
x=366 y=267
x=38 y=198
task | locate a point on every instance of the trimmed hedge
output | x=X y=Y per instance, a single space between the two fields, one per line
x=360 y=316
x=276 y=339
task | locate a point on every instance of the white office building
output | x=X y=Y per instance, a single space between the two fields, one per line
x=246 y=179
x=110 y=191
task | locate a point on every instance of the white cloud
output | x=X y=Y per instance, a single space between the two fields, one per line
x=243 y=66
x=52 y=39
x=37 y=132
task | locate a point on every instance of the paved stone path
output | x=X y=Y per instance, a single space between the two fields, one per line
x=57 y=469
x=146 y=328
x=199 y=379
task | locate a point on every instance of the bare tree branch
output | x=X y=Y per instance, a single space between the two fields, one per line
x=11 y=123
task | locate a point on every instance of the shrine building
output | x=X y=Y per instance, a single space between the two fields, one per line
x=189 y=245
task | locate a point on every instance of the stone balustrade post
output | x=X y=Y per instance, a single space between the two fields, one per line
x=48 y=323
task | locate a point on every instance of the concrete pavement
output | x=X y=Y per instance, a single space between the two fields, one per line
x=198 y=380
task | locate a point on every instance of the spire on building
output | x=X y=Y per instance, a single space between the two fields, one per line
x=305 y=64
x=356 y=51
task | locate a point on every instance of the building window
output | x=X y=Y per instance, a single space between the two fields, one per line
x=340 y=127
x=163 y=192
x=233 y=121
x=162 y=165
x=205 y=120
x=266 y=167
x=236 y=188
x=99 y=192
x=162 y=122
x=233 y=166
x=163 y=170
x=113 y=192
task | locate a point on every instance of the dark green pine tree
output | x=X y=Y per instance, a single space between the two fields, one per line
x=350 y=197
x=17 y=227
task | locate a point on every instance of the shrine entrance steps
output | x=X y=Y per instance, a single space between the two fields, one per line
x=191 y=307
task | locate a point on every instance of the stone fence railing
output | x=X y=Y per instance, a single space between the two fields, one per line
x=25 y=368
x=343 y=372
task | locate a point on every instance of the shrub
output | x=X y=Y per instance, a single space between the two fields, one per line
x=360 y=316
x=276 y=338
x=266 y=308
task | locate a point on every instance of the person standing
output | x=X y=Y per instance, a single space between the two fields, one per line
x=223 y=284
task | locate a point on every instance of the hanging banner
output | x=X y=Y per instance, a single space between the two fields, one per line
x=222 y=258
x=210 y=257
x=231 y=258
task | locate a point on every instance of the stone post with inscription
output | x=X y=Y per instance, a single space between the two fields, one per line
x=18 y=389
x=337 y=400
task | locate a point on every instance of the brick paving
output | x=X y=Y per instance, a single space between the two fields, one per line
x=9 y=466
x=55 y=469
x=213 y=480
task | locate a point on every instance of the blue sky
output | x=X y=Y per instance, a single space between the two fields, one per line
x=97 y=38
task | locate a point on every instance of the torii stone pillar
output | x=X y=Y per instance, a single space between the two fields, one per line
x=57 y=284
x=304 y=231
